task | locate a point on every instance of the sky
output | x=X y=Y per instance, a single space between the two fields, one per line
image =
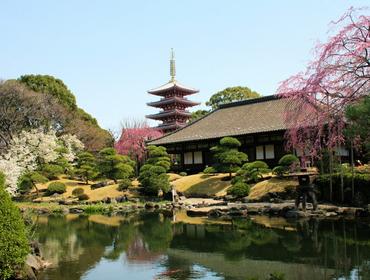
x=109 y=53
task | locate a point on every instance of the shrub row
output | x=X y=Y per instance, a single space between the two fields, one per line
x=361 y=183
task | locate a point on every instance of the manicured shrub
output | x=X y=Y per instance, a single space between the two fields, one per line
x=239 y=189
x=124 y=184
x=78 y=191
x=288 y=160
x=209 y=170
x=56 y=187
x=279 y=170
x=183 y=174
x=253 y=171
x=287 y=163
x=83 y=196
x=13 y=238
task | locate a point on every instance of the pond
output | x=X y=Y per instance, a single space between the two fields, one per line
x=153 y=245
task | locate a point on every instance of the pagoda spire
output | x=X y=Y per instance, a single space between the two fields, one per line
x=172 y=66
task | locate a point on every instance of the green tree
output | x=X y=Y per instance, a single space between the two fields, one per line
x=86 y=166
x=198 y=114
x=231 y=94
x=52 y=171
x=358 y=116
x=67 y=117
x=228 y=156
x=157 y=155
x=13 y=236
x=114 y=166
x=30 y=180
x=153 y=177
x=50 y=85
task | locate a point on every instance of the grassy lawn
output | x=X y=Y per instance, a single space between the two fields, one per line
x=202 y=185
x=94 y=195
x=273 y=185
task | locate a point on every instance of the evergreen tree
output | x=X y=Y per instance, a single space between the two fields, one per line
x=153 y=175
x=114 y=166
x=86 y=166
x=227 y=155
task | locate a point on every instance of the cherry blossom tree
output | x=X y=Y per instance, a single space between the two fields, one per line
x=338 y=76
x=133 y=137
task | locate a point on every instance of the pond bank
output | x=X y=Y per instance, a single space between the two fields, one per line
x=198 y=207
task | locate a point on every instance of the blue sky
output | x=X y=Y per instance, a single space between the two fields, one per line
x=110 y=53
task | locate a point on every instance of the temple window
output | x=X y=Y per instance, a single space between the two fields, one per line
x=198 y=157
x=265 y=152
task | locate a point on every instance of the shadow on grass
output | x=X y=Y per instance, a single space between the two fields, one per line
x=208 y=187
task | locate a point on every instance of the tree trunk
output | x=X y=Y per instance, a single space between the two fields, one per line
x=352 y=172
x=37 y=190
x=330 y=174
x=341 y=178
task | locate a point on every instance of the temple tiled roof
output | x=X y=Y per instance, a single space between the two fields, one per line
x=258 y=115
x=172 y=84
x=174 y=112
x=170 y=100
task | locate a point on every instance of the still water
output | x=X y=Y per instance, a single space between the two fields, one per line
x=174 y=246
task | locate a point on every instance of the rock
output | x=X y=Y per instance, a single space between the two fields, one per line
x=237 y=213
x=76 y=210
x=331 y=214
x=35 y=248
x=245 y=199
x=294 y=214
x=215 y=213
x=134 y=199
x=197 y=212
x=149 y=205
x=228 y=198
x=122 y=198
x=28 y=272
x=99 y=185
x=34 y=262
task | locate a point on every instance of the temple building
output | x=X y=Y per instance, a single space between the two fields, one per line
x=173 y=102
x=257 y=123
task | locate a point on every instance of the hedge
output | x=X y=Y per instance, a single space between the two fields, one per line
x=361 y=183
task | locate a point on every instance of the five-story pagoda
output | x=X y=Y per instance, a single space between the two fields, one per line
x=173 y=102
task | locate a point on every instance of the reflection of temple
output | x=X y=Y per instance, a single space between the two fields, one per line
x=173 y=103
x=138 y=251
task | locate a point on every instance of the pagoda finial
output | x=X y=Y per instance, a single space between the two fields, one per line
x=172 y=66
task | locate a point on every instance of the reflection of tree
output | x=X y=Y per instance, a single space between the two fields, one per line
x=121 y=241
x=156 y=232
x=76 y=245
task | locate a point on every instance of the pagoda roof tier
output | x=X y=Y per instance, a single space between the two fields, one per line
x=173 y=100
x=170 y=113
x=173 y=85
x=171 y=126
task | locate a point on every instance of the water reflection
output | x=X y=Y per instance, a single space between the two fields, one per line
x=153 y=246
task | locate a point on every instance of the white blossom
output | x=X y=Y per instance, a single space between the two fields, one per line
x=32 y=148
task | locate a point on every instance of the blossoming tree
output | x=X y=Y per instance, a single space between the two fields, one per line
x=133 y=138
x=30 y=149
x=338 y=76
